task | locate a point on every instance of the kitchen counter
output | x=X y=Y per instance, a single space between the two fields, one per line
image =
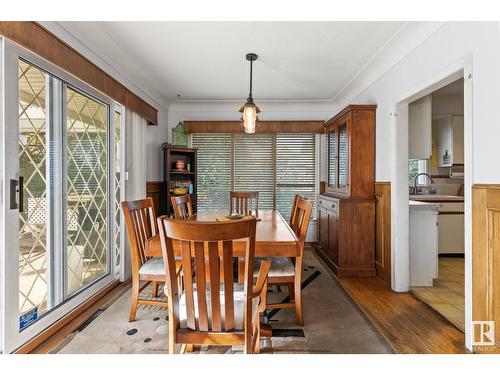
x=436 y=198
x=419 y=205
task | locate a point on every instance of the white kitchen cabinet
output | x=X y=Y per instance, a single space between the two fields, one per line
x=451 y=238
x=449 y=140
x=457 y=129
x=420 y=129
x=423 y=243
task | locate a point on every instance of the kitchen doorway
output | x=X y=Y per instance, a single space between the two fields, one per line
x=400 y=216
x=437 y=240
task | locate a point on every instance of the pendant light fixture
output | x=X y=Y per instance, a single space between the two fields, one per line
x=249 y=109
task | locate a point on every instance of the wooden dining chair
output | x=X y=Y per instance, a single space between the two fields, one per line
x=141 y=224
x=212 y=310
x=183 y=208
x=243 y=202
x=288 y=271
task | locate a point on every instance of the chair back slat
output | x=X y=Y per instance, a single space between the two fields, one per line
x=141 y=237
x=187 y=266
x=214 y=277
x=210 y=244
x=201 y=287
x=146 y=230
x=228 y=266
x=243 y=202
x=141 y=226
x=183 y=207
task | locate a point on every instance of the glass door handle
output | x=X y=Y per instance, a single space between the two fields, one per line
x=21 y=193
x=16 y=191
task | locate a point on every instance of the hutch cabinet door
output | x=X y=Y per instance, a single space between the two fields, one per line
x=332 y=158
x=323 y=228
x=343 y=152
x=333 y=235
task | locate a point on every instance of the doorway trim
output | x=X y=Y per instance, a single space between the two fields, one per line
x=399 y=170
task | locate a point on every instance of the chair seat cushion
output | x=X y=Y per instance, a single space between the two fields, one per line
x=239 y=307
x=280 y=267
x=154 y=266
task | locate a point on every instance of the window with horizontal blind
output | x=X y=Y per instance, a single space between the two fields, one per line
x=278 y=166
x=254 y=166
x=214 y=170
x=295 y=169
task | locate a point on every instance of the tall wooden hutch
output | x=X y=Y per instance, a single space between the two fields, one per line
x=346 y=210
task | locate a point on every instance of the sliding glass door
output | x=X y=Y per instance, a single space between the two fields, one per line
x=61 y=192
x=86 y=190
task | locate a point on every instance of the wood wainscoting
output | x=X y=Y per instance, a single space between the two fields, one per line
x=155 y=190
x=486 y=256
x=383 y=231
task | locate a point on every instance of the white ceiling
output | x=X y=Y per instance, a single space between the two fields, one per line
x=206 y=60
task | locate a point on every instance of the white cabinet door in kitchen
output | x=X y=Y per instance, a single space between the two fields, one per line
x=420 y=129
x=444 y=144
x=457 y=130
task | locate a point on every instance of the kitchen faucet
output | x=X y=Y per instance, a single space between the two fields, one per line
x=430 y=180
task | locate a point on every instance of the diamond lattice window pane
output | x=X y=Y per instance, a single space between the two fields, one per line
x=33 y=285
x=86 y=189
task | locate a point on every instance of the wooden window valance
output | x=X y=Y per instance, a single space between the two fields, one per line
x=262 y=127
x=40 y=41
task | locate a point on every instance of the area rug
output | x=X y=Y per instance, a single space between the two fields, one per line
x=332 y=324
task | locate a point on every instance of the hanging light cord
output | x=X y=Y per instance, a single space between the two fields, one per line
x=250 y=95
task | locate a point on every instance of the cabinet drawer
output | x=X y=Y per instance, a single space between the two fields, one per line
x=451 y=207
x=328 y=203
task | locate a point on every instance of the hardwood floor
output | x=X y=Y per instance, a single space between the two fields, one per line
x=410 y=326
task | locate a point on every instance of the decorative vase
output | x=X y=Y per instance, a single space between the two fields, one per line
x=179 y=164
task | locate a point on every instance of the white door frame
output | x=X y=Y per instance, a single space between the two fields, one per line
x=399 y=171
x=116 y=107
x=11 y=338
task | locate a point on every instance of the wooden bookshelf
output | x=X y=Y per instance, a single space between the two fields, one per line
x=173 y=176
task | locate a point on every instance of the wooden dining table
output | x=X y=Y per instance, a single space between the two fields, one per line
x=274 y=237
